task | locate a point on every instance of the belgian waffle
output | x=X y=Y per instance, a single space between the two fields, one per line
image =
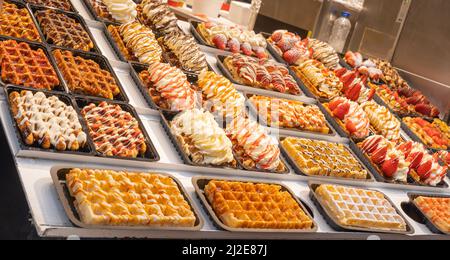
x=20 y=65
x=47 y=121
x=437 y=210
x=61 y=30
x=17 y=22
x=111 y=198
x=85 y=76
x=141 y=41
x=290 y=114
x=60 y=4
x=124 y=50
x=359 y=208
x=255 y=206
x=114 y=131
x=319 y=158
x=101 y=10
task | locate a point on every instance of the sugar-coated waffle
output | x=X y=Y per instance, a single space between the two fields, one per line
x=17 y=22
x=111 y=198
x=320 y=158
x=62 y=30
x=47 y=121
x=360 y=208
x=85 y=76
x=255 y=206
x=21 y=65
x=437 y=210
x=114 y=131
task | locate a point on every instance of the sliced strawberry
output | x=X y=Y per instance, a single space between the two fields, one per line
x=261 y=53
x=424 y=169
x=285 y=45
x=341 y=111
x=379 y=155
x=354 y=92
x=390 y=167
x=405 y=148
x=340 y=72
x=234 y=45
x=371 y=94
x=370 y=145
x=220 y=40
x=424 y=109
x=277 y=35
x=351 y=127
x=292 y=56
x=415 y=159
x=246 y=48
x=335 y=103
x=348 y=77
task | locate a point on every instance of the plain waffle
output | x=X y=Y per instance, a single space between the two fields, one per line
x=61 y=30
x=437 y=210
x=17 y=22
x=59 y=4
x=47 y=121
x=360 y=208
x=256 y=206
x=319 y=158
x=20 y=65
x=85 y=76
x=111 y=198
x=114 y=131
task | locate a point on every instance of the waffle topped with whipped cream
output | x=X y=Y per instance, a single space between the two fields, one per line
x=169 y=87
x=46 y=121
x=290 y=114
x=320 y=158
x=353 y=207
x=17 y=22
x=256 y=206
x=254 y=147
x=113 y=198
x=202 y=139
x=121 y=11
x=115 y=132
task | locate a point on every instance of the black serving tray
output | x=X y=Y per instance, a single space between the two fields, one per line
x=88 y=150
x=151 y=154
x=21 y=4
x=299 y=171
x=68 y=202
x=379 y=176
x=201 y=182
x=220 y=63
x=412 y=210
x=264 y=122
x=334 y=223
x=34 y=46
x=77 y=18
x=104 y=64
x=167 y=117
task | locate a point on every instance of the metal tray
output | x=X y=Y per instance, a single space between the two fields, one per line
x=220 y=64
x=88 y=150
x=136 y=69
x=34 y=46
x=151 y=154
x=334 y=223
x=102 y=62
x=21 y=4
x=263 y=120
x=72 y=7
x=59 y=180
x=77 y=18
x=413 y=211
x=200 y=184
x=167 y=117
x=380 y=178
x=299 y=171
x=416 y=138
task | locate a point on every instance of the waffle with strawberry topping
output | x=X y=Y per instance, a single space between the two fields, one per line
x=366 y=67
x=168 y=87
x=290 y=114
x=321 y=81
x=254 y=147
x=355 y=85
x=261 y=73
x=350 y=116
x=290 y=47
x=432 y=135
